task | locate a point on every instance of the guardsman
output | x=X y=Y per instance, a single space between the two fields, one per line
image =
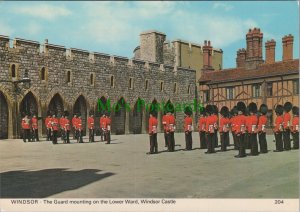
x=74 y=124
x=102 y=126
x=252 y=128
x=54 y=128
x=62 y=126
x=210 y=129
x=201 y=128
x=295 y=127
x=107 y=128
x=48 y=121
x=66 y=127
x=224 y=128
x=164 y=122
x=34 y=126
x=215 y=116
x=278 y=128
x=240 y=129
x=188 y=128
x=261 y=128
x=153 y=133
x=234 y=113
x=79 y=128
x=26 y=127
x=247 y=132
x=286 y=126
x=170 y=130
x=91 y=126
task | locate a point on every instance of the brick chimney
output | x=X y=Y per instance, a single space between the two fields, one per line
x=207 y=56
x=287 y=47
x=241 y=58
x=270 y=51
x=254 y=48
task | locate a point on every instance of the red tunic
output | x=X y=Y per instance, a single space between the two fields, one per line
x=224 y=124
x=201 y=124
x=215 y=118
x=62 y=122
x=210 y=122
x=164 y=121
x=233 y=124
x=171 y=123
x=74 y=119
x=25 y=123
x=108 y=123
x=67 y=124
x=102 y=122
x=55 y=124
x=188 y=124
x=240 y=122
x=278 y=124
x=91 y=123
x=286 y=120
x=48 y=121
x=34 y=123
x=262 y=122
x=252 y=124
x=152 y=125
x=78 y=124
x=295 y=124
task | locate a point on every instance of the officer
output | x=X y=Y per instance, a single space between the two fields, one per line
x=54 y=128
x=62 y=126
x=108 y=128
x=91 y=123
x=252 y=128
x=210 y=130
x=262 y=122
x=26 y=127
x=74 y=124
x=48 y=121
x=102 y=126
x=164 y=122
x=278 y=128
x=171 y=128
x=188 y=128
x=201 y=128
x=286 y=126
x=295 y=127
x=247 y=132
x=234 y=113
x=34 y=126
x=79 y=128
x=224 y=128
x=240 y=129
x=66 y=127
x=153 y=132
x=215 y=116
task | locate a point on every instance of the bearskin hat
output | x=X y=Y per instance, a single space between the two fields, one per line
x=241 y=107
x=263 y=109
x=279 y=109
x=153 y=113
x=252 y=107
x=48 y=113
x=169 y=108
x=66 y=113
x=215 y=109
x=287 y=107
x=209 y=109
x=234 y=111
x=188 y=110
x=91 y=113
x=224 y=111
x=202 y=111
x=295 y=110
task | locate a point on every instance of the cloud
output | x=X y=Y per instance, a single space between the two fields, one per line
x=43 y=11
x=32 y=28
x=5 y=29
x=224 y=6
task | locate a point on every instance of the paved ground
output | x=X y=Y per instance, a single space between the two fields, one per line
x=123 y=170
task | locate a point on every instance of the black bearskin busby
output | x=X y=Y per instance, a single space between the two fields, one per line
x=252 y=107
x=209 y=109
x=153 y=113
x=188 y=110
x=295 y=110
x=66 y=113
x=202 y=111
x=49 y=113
x=279 y=109
x=287 y=107
x=241 y=107
x=263 y=109
x=215 y=109
x=234 y=111
x=169 y=108
x=224 y=111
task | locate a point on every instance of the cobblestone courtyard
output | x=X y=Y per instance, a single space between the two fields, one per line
x=124 y=170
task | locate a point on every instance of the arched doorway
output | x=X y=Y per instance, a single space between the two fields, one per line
x=135 y=121
x=80 y=107
x=99 y=110
x=56 y=105
x=118 y=125
x=3 y=117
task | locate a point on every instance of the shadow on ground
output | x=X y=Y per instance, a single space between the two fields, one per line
x=47 y=182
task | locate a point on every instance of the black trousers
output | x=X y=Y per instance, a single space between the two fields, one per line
x=188 y=140
x=153 y=143
x=91 y=135
x=247 y=140
x=63 y=135
x=224 y=140
x=210 y=142
x=263 y=142
x=107 y=136
x=241 y=145
x=74 y=133
x=171 y=141
x=67 y=136
x=203 y=144
x=295 y=140
x=216 y=140
x=101 y=134
x=253 y=143
x=79 y=136
x=35 y=135
x=166 y=138
x=278 y=141
x=26 y=135
x=54 y=137
x=235 y=141
x=287 y=139
x=49 y=137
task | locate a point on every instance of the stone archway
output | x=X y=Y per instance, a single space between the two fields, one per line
x=56 y=105
x=3 y=117
x=99 y=110
x=80 y=106
x=119 y=117
x=135 y=122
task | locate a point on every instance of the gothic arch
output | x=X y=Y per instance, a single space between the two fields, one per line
x=4 y=116
x=81 y=106
x=56 y=104
x=119 y=116
x=135 y=122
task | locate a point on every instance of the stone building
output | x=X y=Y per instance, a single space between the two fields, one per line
x=254 y=79
x=75 y=79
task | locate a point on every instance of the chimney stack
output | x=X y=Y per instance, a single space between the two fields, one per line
x=241 y=58
x=254 y=48
x=207 y=55
x=287 y=47
x=270 y=51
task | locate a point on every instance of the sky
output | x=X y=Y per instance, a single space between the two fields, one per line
x=114 y=27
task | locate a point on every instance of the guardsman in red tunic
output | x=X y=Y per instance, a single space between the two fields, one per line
x=215 y=115
x=102 y=126
x=224 y=128
x=286 y=126
x=74 y=124
x=152 y=133
x=210 y=129
x=240 y=129
x=164 y=122
x=91 y=126
x=107 y=121
x=248 y=126
x=55 y=128
x=79 y=128
x=26 y=128
x=188 y=128
x=62 y=125
x=34 y=126
x=278 y=128
x=234 y=114
x=295 y=127
x=66 y=127
x=261 y=128
x=170 y=131
x=201 y=128
x=48 y=125
x=252 y=128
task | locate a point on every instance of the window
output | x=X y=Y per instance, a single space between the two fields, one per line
x=206 y=96
x=112 y=81
x=175 y=88
x=130 y=83
x=161 y=86
x=189 y=89
x=230 y=93
x=13 y=71
x=256 y=90
x=43 y=74
x=295 y=87
x=146 y=85
x=270 y=89
x=92 y=79
x=68 y=76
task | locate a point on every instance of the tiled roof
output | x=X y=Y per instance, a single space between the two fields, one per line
x=262 y=71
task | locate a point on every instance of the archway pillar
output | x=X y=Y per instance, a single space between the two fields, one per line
x=144 y=121
x=127 y=114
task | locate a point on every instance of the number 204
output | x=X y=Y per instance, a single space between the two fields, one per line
x=278 y=201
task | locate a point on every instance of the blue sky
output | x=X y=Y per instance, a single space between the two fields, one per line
x=114 y=27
